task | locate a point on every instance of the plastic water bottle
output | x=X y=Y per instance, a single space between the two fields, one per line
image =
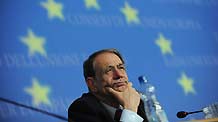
x=153 y=109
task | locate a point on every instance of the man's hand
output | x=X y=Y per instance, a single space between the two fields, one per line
x=129 y=98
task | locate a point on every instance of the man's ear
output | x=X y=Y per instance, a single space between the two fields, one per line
x=91 y=84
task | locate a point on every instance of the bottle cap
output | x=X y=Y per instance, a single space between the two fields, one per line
x=142 y=79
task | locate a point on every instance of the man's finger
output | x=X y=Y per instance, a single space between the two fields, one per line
x=110 y=90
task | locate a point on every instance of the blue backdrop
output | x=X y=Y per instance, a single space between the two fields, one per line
x=43 y=44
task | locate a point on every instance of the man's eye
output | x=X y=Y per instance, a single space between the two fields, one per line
x=108 y=70
x=122 y=67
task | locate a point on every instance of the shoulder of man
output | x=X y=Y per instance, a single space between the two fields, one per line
x=88 y=108
x=85 y=101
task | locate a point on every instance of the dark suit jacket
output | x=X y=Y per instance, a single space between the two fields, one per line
x=89 y=109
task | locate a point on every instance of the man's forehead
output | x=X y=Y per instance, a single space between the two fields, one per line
x=107 y=58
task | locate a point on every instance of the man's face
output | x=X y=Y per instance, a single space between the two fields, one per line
x=109 y=72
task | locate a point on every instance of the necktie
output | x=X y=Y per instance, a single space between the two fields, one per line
x=117 y=115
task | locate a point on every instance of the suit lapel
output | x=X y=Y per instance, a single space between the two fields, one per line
x=102 y=111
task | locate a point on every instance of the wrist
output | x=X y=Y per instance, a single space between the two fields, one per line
x=131 y=108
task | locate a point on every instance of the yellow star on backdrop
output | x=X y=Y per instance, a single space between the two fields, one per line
x=164 y=44
x=92 y=4
x=54 y=9
x=39 y=93
x=186 y=83
x=130 y=14
x=34 y=43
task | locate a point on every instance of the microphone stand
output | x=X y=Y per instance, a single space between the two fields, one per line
x=195 y=112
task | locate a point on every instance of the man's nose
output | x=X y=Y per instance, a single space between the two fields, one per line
x=117 y=74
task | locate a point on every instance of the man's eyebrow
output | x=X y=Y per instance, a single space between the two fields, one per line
x=121 y=64
x=111 y=66
x=108 y=66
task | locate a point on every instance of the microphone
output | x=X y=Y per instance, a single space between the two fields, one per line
x=182 y=114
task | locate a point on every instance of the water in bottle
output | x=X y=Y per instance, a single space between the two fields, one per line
x=153 y=109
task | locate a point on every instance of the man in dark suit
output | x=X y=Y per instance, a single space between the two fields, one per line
x=111 y=97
